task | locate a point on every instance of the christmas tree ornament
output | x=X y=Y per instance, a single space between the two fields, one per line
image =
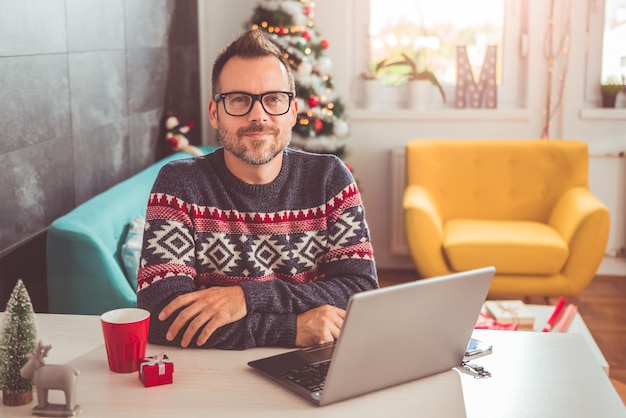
x=341 y=129
x=175 y=135
x=324 y=65
x=314 y=101
x=304 y=69
x=18 y=338
x=319 y=107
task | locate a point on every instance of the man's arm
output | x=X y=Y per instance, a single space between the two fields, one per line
x=347 y=267
x=315 y=326
x=257 y=329
x=166 y=279
x=277 y=296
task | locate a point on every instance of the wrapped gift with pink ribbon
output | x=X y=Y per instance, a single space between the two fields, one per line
x=156 y=370
x=511 y=312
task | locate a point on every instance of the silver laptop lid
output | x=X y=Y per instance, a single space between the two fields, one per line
x=401 y=333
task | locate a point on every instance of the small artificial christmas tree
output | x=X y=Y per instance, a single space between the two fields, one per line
x=289 y=24
x=18 y=338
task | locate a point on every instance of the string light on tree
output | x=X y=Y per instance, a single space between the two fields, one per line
x=290 y=25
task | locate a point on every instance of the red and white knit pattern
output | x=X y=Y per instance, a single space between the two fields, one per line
x=226 y=247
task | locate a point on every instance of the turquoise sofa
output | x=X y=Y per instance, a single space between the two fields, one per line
x=85 y=270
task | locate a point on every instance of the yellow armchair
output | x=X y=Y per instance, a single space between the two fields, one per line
x=522 y=206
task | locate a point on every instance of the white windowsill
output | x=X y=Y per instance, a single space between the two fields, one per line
x=600 y=113
x=439 y=114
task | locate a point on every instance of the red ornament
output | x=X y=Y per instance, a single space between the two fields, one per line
x=306 y=35
x=314 y=101
x=324 y=43
x=308 y=11
x=173 y=141
x=318 y=125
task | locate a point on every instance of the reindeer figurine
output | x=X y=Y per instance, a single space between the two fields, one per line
x=53 y=376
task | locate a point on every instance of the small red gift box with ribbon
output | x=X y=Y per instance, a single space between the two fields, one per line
x=156 y=370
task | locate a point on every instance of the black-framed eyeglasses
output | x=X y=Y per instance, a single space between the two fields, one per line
x=239 y=103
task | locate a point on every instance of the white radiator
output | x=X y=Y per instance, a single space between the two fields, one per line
x=607 y=181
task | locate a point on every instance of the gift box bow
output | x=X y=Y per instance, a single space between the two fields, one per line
x=159 y=360
x=511 y=309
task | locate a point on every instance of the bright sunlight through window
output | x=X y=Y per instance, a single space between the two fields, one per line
x=429 y=32
x=614 y=43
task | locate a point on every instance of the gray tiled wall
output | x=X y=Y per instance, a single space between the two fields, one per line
x=83 y=87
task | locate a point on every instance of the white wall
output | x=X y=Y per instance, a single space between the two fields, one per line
x=219 y=23
x=374 y=134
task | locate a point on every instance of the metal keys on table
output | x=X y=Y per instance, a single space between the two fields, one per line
x=475 y=370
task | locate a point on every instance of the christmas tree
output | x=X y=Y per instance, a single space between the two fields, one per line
x=18 y=338
x=289 y=24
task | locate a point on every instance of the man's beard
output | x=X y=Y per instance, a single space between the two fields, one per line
x=232 y=143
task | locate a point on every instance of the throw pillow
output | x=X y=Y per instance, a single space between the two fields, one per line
x=131 y=249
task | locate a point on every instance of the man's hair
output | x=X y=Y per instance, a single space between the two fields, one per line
x=249 y=45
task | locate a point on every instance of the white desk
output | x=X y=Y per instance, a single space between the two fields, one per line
x=577 y=326
x=534 y=374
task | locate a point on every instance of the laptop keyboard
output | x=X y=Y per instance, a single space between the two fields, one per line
x=311 y=377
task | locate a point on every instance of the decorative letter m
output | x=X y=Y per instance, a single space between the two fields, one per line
x=466 y=87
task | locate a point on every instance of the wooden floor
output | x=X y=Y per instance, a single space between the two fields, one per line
x=602 y=306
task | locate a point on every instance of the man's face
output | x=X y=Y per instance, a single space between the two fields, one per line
x=257 y=137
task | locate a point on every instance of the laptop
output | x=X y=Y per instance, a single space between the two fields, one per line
x=390 y=335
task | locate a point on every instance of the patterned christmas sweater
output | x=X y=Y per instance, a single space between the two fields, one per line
x=294 y=244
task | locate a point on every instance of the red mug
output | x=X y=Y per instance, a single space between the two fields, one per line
x=125 y=334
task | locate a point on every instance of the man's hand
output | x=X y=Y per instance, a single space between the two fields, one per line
x=206 y=309
x=319 y=325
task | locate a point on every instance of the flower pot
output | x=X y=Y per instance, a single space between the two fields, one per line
x=418 y=94
x=620 y=102
x=372 y=93
x=608 y=99
x=16 y=398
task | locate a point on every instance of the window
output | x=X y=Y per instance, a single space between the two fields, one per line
x=429 y=32
x=606 y=50
x=614 y=41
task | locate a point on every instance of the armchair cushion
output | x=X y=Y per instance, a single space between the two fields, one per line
x=507 y=245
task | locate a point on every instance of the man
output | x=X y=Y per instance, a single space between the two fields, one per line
x=254 y=244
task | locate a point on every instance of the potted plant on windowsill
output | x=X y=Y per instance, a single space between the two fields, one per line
x=418 y=81
x=372 y=84
x=609 y=90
